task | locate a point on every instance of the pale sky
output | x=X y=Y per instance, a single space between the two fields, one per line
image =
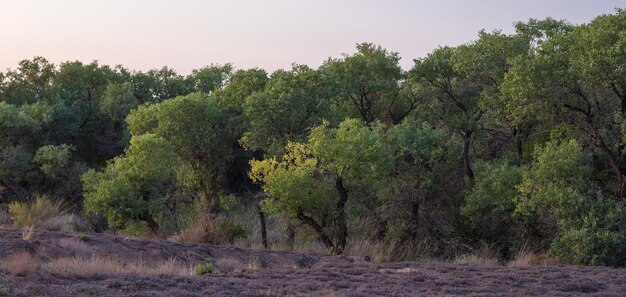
x=270 y=34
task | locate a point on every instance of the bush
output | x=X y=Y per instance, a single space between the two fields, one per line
x=599 y=238
x=137 y=229
x=203 y=268
x=21 y=264
x=586 y=227
x=489 y=205
x=32 y=214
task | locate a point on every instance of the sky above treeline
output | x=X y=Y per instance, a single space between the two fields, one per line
x=270 y=34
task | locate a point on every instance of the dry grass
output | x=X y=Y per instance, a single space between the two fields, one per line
x=331 y=294
x=476 y=260
x=21 y=264
x=97 y=267
x=5 y=217
x=204 y=230
x=229 y=265
x=377 y=251
x=27 y=233
x=75 y=246
x=255 y=262
x=210 y=229
x=525 y=259
x=482 y=256
x=66 y=222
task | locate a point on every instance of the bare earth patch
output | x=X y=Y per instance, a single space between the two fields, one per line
x=105 y=265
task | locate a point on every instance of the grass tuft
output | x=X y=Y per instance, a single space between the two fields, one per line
x=21 y=264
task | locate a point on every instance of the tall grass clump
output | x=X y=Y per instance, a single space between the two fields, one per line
x=35 y=213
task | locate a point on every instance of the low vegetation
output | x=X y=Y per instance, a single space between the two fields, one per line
x=36 y=213
x=98 y=268
x=21 y=264
x=203 y=268
x=477 y=153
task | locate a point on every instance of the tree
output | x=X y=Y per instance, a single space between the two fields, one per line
x=579 y=78
x=489 y=207
x=118 y=100
x=370 y=82
x=157 y=85
x=210 y=78
x=132 y=187
x=484 y=64
x=317 y=182
x=200 y=134
x=290 y=105
x=583 y=226
x=455 y=98
x=419 y=151
x=241 y=85
x=29 y=82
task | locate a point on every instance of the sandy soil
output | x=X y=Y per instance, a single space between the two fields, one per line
x=277 y=273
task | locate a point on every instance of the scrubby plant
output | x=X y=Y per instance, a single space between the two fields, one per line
x=203 y=268
x=32 y=214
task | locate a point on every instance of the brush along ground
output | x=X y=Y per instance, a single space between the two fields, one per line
x=247 y=272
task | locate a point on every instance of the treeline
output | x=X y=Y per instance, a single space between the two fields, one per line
x=511 y=140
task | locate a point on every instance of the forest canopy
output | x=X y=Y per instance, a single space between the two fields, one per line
x=508 y=140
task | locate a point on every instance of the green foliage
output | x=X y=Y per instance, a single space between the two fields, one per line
x=126 y=187
x=118 y=100
x=210 y=78
x=368 y=82
x=157 y=85
x=136 y=229
x=506 y=138
x=556 y=181
x=490 y=204
x=203 y=268
x=231 y=231
x=241 y=85
x=314 y=182
x=14 y=162
x=26 y=214
x=586 y=225
x=201 y=136
x=598 y=237
x=291 y=103
x=52 y=159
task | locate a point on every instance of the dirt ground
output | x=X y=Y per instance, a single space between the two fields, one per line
x=242 y=272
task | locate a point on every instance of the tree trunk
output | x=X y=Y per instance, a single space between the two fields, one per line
x=214 y=199
x=617 y=169
x=381 y=229
x=517 y=138
x=415 y=210
x=152 y=224
x=291 y=235
x=467 y=165
x=263 y=227
x=342 y=228
x=328 y=243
